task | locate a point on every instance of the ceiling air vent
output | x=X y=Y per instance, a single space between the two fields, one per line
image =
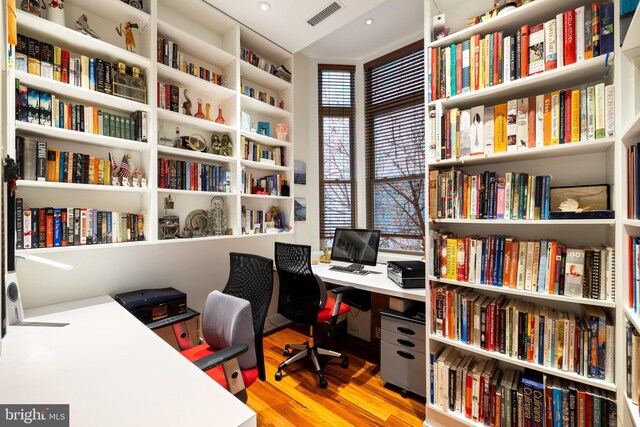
x=324 y=13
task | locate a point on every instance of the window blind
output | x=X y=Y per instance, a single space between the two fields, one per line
x=336 y=119
x=394 y=138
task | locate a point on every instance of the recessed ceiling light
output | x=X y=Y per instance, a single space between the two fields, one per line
x=369 y=21
x=264 y=6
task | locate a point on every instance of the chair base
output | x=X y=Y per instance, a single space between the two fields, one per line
x=306 y=350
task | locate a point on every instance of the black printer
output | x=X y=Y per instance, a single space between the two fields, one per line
x=407 y=274
x=149 y=305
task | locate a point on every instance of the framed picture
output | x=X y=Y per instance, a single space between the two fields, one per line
x=585 y=198
x=299 y=172
x=300 y=209
x=263 y=128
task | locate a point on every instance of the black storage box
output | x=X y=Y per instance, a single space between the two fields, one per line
x=407 y=274
x=150 y=305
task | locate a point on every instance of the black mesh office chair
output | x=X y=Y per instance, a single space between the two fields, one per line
x=302 y=299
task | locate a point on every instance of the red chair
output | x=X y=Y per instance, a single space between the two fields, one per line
x=303 y=299
x=232 y=326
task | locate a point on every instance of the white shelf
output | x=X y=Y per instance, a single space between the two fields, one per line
x=632 y=317
x=520 y=222
x=632 y=222
x=114 y=8
x=256 y=75
x=197 y=86
x=266 y=140
x=196 y=239
x=80 y=137
x=195 y=46
x=195 y=193
x=516 y=362
x=632 y=131
x=191 y=121
x=261 y=196
x=458 y=416
x=548 y=152
x=281 y=233
x=90 y=98
x=530 y=294
x=82 y=187
x=181 y=152
x=252 y=104
x=571 y=75
x=631 y=44
x=534 y=12
x=263 y=166
x=633 y=411
x=77 y=42
x=61 y=249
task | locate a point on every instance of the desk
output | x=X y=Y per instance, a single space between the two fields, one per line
x=111 y=369
x=377 y=283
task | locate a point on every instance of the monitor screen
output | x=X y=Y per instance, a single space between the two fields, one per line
x=356 y=246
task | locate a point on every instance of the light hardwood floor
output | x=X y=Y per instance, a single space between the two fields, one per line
x=355 y=396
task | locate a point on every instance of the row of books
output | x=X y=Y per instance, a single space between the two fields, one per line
x=182 y=175
x=259 y=153
x=633 y=181
x=43 y=108
x=497 y=58
x=633 y=266
x=177 y=99
x=480 y=391
x=53 y=62
x=252 y=58
x=270 y=185
x=168 y=54
x=260 y=95
x=256 y=221
x=49 y=227
x=37 y=162
x=583 y=344
x=633 y=363
x=564 y=116
x=545 y=266
x=454 y=194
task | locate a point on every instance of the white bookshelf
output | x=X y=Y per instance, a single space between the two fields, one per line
x=568 y=164
x=632 y=408
x=206 y=37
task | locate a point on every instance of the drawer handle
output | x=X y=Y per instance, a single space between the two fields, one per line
x=406 y=330
x=405 y=355
x=406 y=343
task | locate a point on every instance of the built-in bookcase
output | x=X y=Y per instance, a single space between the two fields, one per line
x=586 y=161
x=209 y=43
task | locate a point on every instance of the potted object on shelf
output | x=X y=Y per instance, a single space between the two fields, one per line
x=199 y=114
x=169 y=225
x=220 y=119
x=282 y=131
x=56 y=12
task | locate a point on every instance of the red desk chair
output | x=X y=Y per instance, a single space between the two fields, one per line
x=232 y=325
x=303 y=299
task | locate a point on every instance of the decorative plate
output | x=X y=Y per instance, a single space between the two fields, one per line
x=197 y=221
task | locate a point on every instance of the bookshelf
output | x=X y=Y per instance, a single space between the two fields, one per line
x=587 y=161
x=208 y=40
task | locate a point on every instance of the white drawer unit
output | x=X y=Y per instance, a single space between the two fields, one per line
x=402 y=356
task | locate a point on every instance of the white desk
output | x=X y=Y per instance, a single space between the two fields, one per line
x=378 y=283
x=111 y=369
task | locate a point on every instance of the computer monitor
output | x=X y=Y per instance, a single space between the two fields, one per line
x=358 y=246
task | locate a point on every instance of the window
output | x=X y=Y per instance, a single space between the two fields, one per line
x=336 y=118
x=394 y=137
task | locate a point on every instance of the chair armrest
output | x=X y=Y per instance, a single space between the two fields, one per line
x=220 y=356
x=342 y=289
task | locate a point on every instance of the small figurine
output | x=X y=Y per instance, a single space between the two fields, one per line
x=216 y=145
x=82 y=25
x=186 y=105
x=129 y=39
x=34 y=7
x=125 y=170
x=227 y=145
x=207 y=108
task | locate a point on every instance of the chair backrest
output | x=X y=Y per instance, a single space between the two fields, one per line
x=251 y=278
x=299 y=297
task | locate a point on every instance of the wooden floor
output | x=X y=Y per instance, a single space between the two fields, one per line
x=356 y=396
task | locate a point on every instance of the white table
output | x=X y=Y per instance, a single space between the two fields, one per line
x=378 y=283
x=111 y=369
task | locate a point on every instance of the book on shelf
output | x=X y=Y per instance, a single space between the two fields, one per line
x=270 y=185
x=255 y=152
x=496 y=58
x=545 y=266
x=260 y=95
x=257 y=221
x=170 y=55
x=483 y=392
x=48 y=227
x=633 y=181
x=252 y=58
x=561 y=117
x=192 y=176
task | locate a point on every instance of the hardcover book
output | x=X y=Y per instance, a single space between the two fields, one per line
x=536 y=49
x=574 y=272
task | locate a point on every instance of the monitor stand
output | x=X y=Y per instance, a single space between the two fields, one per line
x=355 y=266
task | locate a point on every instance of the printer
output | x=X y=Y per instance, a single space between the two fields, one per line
x=149 y=305
x=407 y=274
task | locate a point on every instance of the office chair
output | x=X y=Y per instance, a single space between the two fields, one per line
x=303 y=299
x=233 y=323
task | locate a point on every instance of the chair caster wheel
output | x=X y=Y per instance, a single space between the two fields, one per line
x=278 y=376
x=345 y=363
x=323 y=383
x=404 y=393
x=285 y=352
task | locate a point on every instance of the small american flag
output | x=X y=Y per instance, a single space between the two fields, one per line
x=125 y=171
x=113 y=163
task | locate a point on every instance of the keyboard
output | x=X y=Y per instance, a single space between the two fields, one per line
x=348 y=270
